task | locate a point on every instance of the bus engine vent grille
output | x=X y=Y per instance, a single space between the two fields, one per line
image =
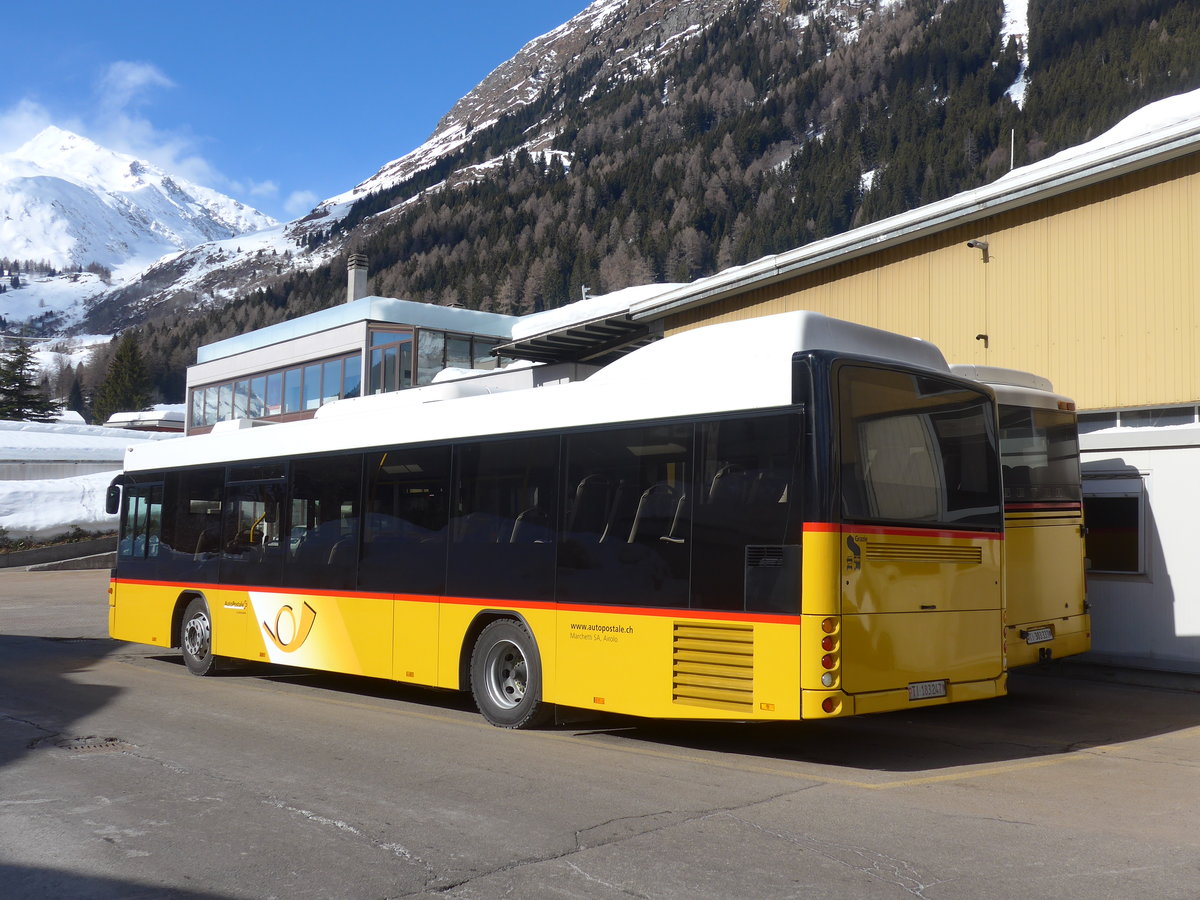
x=763 y=555
x=925 y=553
x=713 y=665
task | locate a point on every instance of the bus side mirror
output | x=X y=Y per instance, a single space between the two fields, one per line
x=112 y=500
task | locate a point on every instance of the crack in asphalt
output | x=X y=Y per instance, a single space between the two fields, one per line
x=896 y=871
x=664 y=819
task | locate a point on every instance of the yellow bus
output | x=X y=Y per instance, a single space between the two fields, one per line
x=1043 y=516
x=783 y=518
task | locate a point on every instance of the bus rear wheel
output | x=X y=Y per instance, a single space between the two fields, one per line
x=195 y=638
x=506 y=676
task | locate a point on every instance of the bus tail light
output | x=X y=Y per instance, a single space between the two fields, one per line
x=830 y=704
x=827 y=661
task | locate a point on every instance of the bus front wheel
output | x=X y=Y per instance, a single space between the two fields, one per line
x=506 y=676
x=195 y=638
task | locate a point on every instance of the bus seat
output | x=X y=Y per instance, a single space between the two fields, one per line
x=532 y=526
x=656 y=512
x=589 y=509
x=621 y=513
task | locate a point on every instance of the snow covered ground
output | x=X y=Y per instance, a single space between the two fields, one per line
x=48 y=507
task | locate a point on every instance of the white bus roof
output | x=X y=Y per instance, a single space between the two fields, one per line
x=740 y=365
x=1014 y=387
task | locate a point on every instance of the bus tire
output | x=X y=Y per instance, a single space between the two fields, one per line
x=195 y=638
x=506 y=676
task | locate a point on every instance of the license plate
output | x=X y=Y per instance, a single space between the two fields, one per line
x=1037 y=635
x=923 y=690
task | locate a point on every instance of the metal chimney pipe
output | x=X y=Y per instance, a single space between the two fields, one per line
x=356 y=280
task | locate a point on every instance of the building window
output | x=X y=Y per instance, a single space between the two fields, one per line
x=353 y=378
x=1148 y=417
x=1114 y=510
x=391 y=361
x=1151 y=418
x=299 y=389
x=312 y=386
x=274 y=394
x=291 y=391
x=431 y=354
x=437 y=350
x=258 y=397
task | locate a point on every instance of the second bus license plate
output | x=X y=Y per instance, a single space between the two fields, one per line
x=1037 y=635
x=923 y=690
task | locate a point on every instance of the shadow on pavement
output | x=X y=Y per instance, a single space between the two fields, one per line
x=39 y=701
x=1041 y=716
x=32 y=881
x=1048 y=711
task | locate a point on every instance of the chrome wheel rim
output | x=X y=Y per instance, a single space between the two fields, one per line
x=197 y=636
x=506 y=674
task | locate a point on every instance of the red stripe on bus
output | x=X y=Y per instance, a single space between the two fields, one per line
x=827 y=527
x=1069 y=507
x=512 y=605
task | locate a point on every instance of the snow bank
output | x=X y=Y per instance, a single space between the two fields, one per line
x=45 y=509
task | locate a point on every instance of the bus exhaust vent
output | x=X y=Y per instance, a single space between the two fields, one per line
x=924 y=553
x=760 y=555
x=713 y=666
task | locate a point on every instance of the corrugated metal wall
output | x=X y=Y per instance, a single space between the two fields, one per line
x=1095 y=289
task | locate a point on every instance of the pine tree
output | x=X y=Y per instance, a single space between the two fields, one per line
x=126 y=386
x=75 y=398
x=20 y=398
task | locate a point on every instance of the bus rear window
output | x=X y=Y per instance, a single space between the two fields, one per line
x=917 y=449
x=1039 y=449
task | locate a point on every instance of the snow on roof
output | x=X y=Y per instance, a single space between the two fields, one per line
x=587 y=310
x=51 y=441
x=161 y=413
x=673 y=377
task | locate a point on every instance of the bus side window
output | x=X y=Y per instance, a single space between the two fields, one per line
x=627 y=516
x=404 y=526
x=321 y=534
x=744 y=489
x=502 y=531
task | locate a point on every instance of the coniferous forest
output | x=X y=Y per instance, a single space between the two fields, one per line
x=755 y=138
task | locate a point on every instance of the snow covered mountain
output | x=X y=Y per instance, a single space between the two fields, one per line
x=66 y=200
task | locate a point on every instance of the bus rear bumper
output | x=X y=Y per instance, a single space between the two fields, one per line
x=891 y=701
x=1071 y=636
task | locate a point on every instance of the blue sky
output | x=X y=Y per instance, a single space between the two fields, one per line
x=279 y=104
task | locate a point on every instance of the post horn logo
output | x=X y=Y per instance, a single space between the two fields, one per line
x=287 y=635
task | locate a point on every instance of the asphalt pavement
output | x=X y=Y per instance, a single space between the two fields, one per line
x=122 y=776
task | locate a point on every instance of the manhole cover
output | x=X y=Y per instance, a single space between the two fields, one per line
x=85 y=744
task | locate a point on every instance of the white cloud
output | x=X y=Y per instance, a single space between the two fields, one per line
x=300 y=202
x=21 y=122
x=125 y=84
x=268 y=189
